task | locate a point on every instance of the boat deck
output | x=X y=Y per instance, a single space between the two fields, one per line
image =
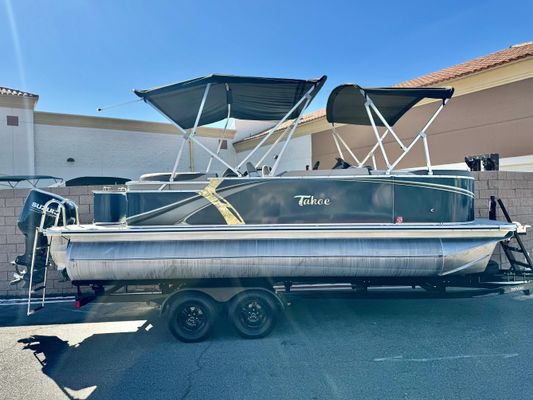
x=478 y=228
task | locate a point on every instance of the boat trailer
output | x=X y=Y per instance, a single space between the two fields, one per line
x=253 y=305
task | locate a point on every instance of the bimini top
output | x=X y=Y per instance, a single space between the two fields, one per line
x=346 y=103
x=238 y=97
x=14 y=180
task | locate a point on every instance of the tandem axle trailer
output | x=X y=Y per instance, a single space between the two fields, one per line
x=191 y=307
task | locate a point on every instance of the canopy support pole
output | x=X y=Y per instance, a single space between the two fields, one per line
x=203 y=146
x=289 y=137
x=272 y=147
x=178 y=158
x=421 y=135
x=219 y=147
x=371 y=152
x=345 y=144
x=375 y=129
x=337 y=143
x=378 y=113
x=190 y=136
x=272 y=130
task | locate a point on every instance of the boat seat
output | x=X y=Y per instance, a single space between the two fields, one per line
x=341 y=164
x=265 y=170
x=229 y=174
x=252 y=171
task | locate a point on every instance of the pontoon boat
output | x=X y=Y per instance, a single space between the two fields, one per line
x=257 y=221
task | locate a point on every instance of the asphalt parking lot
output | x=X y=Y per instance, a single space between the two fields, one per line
x=392 y=346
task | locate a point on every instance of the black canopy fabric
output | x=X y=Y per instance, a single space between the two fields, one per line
x=20 y=178
x=250 y=98
x=96 y=180
x=13 y=180
x=346 y=103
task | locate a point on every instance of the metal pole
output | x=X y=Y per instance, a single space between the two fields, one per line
x=426 y=150
x=370 y=116
x=198 y=143
x=337 y=144
x=30 y=283
x=294 y=125
x=276 y=127
x=178 y=158
x=403 y=154
x=192 y=138
x=272 y=146
x=345 y=145
x=186 y=137
x=219 y=147
x=386 y=123
x=371 y=152
x=422 y=134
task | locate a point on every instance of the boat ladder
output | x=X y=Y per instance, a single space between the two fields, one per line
x=509 y=248
x=39 y=234
x=513 y=248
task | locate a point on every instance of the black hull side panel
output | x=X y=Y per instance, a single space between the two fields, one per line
x=375 y=199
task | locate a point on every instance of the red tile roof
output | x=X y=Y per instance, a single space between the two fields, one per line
x=501 y=57
x=14 y=92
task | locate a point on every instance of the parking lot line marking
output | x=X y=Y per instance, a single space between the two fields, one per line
x=445 y=358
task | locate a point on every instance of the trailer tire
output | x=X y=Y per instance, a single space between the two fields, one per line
x=191 y=316
x=254 y=313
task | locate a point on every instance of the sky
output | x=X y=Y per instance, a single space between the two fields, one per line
x=79 y=55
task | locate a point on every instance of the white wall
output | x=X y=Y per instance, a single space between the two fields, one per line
x=16 y=142
x=105 y=152
x=297 y=154
x=248 y=128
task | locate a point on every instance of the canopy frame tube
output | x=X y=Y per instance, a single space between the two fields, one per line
x=191 y=136
x=289 y=137
x=337 y=144
x=339 y=137
x=373 y=149
x=421 y=135
x=273 y=146
x=307 y=96
x=219 y=147
x=376 y=133
x=370 y=106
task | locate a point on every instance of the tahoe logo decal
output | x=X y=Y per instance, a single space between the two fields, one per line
x=309 y=200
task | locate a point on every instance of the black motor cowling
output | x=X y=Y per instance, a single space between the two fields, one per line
x=29 y=220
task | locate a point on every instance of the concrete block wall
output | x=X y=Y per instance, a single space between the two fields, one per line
x=516 y=191
x=515 y=188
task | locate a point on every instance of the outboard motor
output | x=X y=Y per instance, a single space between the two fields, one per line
x=29 y=220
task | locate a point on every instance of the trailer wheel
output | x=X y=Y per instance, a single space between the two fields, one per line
x=254 y=313
x=191 y=316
